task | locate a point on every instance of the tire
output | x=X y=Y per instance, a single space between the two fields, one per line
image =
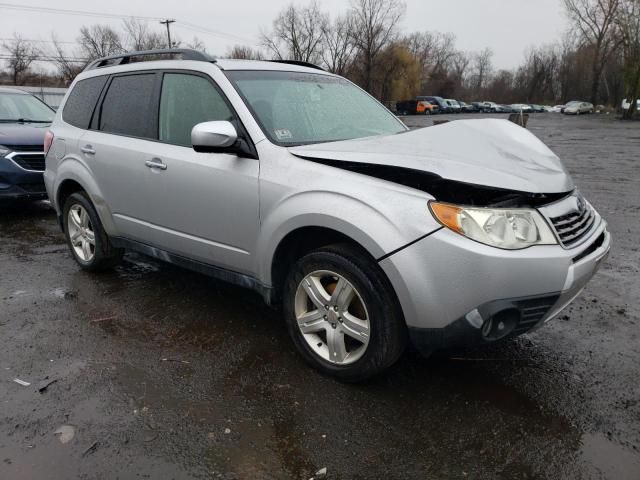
x=97 y=256
x=373 y=299
x=427 y=111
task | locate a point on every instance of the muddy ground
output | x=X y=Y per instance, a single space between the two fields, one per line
x=163 y=373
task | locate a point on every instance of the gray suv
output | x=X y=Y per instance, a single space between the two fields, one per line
x=294 y=182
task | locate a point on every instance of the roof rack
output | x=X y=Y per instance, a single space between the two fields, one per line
x=124 y=58
x=299 y=63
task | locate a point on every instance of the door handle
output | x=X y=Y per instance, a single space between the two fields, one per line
x=156 y=163
x=88 y=149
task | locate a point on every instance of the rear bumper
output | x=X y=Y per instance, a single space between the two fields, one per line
x=17 y=183
x=456 y=292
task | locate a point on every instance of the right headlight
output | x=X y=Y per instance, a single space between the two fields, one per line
x=4 y=151
x=508 y=228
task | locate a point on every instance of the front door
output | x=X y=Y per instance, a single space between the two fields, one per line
x=205 y=205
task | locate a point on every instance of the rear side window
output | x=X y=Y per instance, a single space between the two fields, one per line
x=129 y=106
x=82 y=100
x=187 y=100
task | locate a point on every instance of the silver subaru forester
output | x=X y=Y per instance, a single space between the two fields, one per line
x=294 y=182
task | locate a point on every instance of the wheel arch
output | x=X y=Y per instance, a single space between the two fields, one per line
x=297 y=243
x=73 y=176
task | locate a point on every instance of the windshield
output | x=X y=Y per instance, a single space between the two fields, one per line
x=20 y=107
x=302 y=108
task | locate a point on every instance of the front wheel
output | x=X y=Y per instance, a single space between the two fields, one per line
x=87 y=240
x=342 y=314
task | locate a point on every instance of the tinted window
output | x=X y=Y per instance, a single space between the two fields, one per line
x=82 y=100
x=128 y=107
x=187 y=100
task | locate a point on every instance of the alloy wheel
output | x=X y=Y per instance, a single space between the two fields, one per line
x=81 y=233
x=332 y=317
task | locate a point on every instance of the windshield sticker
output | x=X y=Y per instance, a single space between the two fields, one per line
x=283 y=134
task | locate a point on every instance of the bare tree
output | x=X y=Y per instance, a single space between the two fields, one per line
x=339 y=47
x=628 y=22
x=595 y=20
x=481 y=67
x=68 y=67
x=99 y=41
x=197 y=44
x=244 y=52
x=22 y=54
x=459 y=65
x=297 y=34
x=374 y=28
x=138 y=36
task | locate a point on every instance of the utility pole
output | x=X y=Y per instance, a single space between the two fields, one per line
x=168 y=22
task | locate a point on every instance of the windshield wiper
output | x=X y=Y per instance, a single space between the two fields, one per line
x=23 y=120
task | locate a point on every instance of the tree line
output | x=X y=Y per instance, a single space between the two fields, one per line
x=597 y=59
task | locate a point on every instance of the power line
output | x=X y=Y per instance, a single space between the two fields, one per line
x=70 y=42
x=86 y=13
x=47 y=58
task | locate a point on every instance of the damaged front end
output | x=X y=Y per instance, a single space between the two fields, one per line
x=481 y=163
x=446 y=190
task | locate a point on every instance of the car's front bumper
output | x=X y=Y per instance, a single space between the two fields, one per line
x=454 y=291
x=17 y=183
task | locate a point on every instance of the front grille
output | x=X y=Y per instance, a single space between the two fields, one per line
x=573 y=226
x=26 y=148
x=30 y=161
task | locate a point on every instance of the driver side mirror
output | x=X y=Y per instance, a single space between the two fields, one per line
x=221 y=137
x=213 y=137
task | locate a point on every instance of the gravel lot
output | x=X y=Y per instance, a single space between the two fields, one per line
x=163 y=373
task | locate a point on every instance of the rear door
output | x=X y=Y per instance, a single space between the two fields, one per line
x=123 y=130
x=205 y=205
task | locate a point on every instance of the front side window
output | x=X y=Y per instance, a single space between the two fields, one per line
x=22 y=107
x=295 y=108
x=129 y=107
x=187 y=100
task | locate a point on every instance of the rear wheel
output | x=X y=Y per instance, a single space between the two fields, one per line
x=342 y=315
x=87 y=240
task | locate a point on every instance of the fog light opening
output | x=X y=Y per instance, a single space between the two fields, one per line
x=501 y=324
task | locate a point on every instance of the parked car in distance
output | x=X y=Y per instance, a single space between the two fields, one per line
x=537 y=108
x=478 y=106
x=558 y=108
x=24 y=120
x=466 y=107
x=521 y=108
x=415 y=107
x=627 y=103
x=443 y=106
x=578 y=108
x=473 y=235
x=493 y=107
x=455 y=106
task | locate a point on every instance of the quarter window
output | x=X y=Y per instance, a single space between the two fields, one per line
x=79 y=107
x=187 y=100
x=128 y=107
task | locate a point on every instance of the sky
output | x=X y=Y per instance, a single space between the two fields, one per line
x=508 y=27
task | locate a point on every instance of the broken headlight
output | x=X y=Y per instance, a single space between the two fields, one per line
x=508 y=228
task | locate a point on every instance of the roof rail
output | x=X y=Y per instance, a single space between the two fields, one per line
x=299 y=63
x=124 y=58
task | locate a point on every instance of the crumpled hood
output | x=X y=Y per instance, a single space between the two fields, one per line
x=489 y=152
